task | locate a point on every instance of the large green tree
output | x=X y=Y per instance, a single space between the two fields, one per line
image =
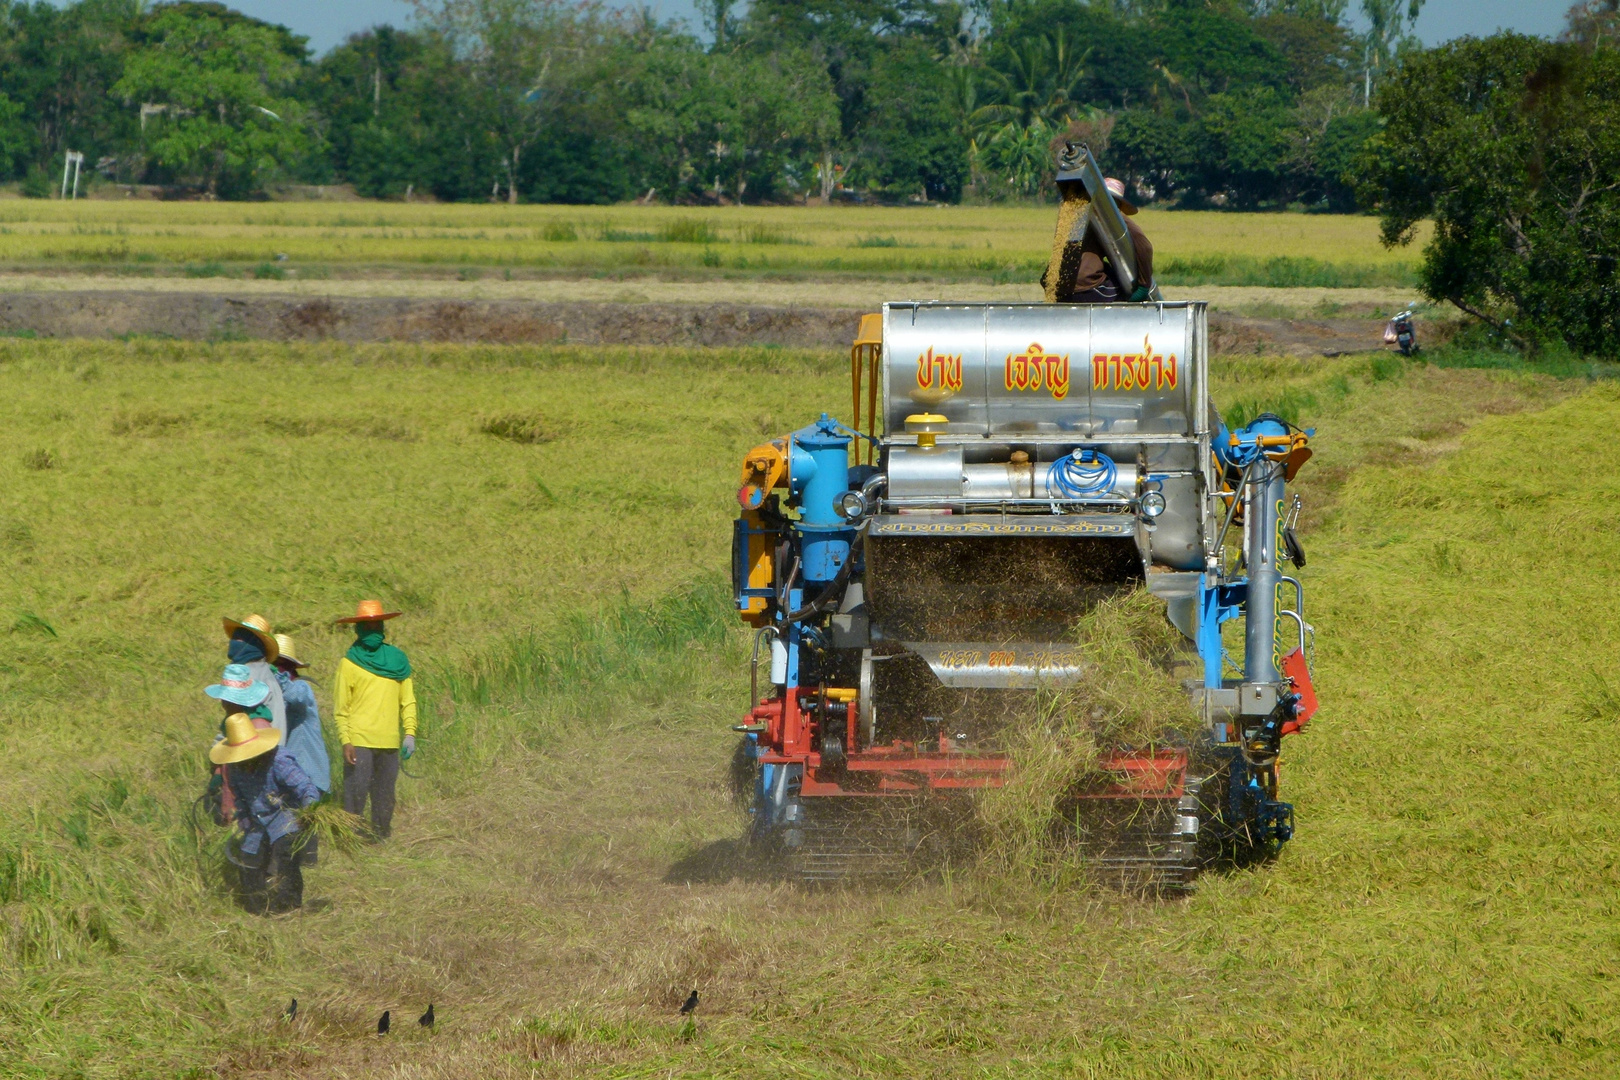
x=57 y=66
x=911 y=141
x=735 y=123
x=1511 y=145
x=527 y=61
x=214 y=96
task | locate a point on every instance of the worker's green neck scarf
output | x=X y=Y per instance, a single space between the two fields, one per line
x=369 y=652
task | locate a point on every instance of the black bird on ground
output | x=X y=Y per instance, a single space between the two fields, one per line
x=426 y=1019
x=691 y=1004
x=292 y=1010
x=382 y=1022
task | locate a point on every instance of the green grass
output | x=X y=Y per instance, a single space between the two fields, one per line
x=560 y=875
x=1281 y=272
x=994 y=244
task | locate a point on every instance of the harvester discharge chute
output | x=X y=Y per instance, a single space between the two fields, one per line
x=914 y=586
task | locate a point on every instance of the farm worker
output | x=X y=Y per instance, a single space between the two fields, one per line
x=1096 y=282
x=252 y=644
x=267 y=786
x=372 y=702
x=305 y=740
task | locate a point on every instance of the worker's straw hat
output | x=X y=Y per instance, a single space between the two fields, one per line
x=238 y=686
x=1116 y=188
x=259 y=627
x=243 y=741
x=369 y=611
x=289 y=651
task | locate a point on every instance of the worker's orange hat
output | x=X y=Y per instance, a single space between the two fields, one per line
x=370 y=611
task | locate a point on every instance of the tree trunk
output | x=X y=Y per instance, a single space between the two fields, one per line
x=511 y=178
x=826 y=176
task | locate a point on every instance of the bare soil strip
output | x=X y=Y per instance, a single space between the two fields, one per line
x=289 y=317
x=661 y=288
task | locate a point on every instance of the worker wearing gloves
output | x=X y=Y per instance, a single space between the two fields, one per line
x=1096 y=281
x=267 y=786
x=373 y=701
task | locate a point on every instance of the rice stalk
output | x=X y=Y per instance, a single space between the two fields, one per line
x=334 y=828
x=1129 y=695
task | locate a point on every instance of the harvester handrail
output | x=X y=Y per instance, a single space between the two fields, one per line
x=1299 y=592
x=1231 y=511
x=1303 y=627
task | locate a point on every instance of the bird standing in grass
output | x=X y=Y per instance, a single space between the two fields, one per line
x=691 y=1004
x=426 y=1019
x=292 y=1010
x=382 y=1023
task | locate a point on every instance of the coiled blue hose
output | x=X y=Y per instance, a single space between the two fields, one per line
x=1081 y=474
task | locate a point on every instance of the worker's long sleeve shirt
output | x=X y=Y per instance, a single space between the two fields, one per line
x=304 y=740
x=369 y=710
x=1094 y=267
x=266 y=798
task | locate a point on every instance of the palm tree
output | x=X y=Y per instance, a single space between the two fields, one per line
x=1388 y=31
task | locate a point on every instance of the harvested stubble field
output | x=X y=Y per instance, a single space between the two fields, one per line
x=928 y=243
x=555 y=522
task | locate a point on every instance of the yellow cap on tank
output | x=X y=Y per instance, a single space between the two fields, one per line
x=925 y=426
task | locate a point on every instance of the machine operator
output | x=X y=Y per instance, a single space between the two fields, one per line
x=1096 y=282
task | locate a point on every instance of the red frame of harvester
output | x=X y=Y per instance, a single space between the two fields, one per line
x=788 y=736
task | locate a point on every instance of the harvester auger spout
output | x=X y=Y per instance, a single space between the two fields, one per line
x=914 y=577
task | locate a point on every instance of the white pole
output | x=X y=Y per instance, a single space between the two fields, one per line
x=67 y=163
x=78 y=166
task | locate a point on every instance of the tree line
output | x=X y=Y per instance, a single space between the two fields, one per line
x=1238 y=103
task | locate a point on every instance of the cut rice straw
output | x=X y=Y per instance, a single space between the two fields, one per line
x=1128 y=696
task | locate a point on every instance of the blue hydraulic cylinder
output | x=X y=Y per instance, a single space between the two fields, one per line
x=818 y=473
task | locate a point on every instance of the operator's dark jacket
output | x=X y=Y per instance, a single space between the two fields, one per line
x=1094 y=284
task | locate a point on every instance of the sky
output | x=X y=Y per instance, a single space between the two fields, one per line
x=328 y=22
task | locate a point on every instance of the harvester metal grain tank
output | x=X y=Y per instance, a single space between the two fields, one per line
x=914 y=584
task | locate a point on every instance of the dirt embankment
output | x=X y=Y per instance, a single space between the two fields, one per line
x=350 y=318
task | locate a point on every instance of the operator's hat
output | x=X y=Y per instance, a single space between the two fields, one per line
x=243 y=740
x=1116 y=188
x=289 y=651
x=238 y=686
x=370 y=611
x=259 y=627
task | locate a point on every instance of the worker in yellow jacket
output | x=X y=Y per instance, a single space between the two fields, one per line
x=373 y=702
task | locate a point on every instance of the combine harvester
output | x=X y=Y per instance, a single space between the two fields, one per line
x=1019 y=463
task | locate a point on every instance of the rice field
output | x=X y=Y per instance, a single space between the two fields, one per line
x=973 y=243
x=555 y=522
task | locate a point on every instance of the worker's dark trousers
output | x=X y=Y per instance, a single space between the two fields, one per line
x=373 y=774
x=276 y=884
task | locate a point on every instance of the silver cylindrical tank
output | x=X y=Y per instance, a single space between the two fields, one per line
x=939 y=472
x=932 y=472
x=999 y=480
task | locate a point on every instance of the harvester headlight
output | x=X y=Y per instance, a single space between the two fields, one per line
x=852 y=506
x=1153 y=504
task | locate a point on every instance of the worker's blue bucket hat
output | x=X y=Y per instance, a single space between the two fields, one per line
x=238 y=686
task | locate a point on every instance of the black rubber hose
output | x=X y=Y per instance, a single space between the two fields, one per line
x=835 y=587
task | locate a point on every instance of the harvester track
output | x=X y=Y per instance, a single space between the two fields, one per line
x=1147 y=845
x=873 y=841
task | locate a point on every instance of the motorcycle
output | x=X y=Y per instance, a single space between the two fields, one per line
x=1401 y=333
